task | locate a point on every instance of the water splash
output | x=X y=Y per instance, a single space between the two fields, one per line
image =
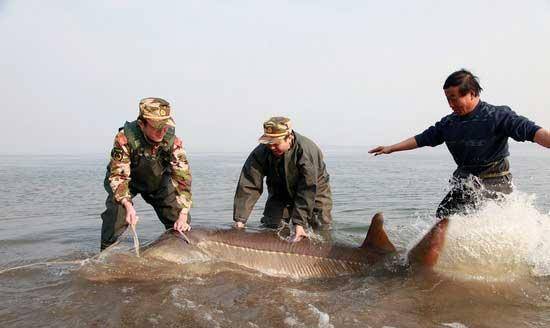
x=324 y=318
x=502 y=241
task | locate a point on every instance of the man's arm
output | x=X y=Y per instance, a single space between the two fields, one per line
x=518 y=127
x=542 y=137
x=304 y=199
x=181 y=180
x=406 y=144
x=119 y=176
x=249 y=187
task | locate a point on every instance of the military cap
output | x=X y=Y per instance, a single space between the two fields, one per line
x=276 y=129
x=157 y=110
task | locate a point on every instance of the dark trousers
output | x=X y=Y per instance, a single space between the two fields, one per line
x=468 y=194
x=276 y=213
x=114 y=224
x=278 y=210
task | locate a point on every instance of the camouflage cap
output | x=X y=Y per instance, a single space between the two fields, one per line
x=157 y=110
x=276 y=129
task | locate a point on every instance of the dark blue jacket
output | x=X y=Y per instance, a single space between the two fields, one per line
x=479 y=139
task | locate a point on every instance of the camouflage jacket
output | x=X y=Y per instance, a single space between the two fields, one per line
x=305 y=178
x=130 y=143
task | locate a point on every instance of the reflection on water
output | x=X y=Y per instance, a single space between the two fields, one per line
x=494 y=272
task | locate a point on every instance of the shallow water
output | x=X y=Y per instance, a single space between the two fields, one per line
x=494 y=272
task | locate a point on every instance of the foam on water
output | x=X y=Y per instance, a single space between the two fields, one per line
x=324 y=318
x=503 y=241
x=454 y=325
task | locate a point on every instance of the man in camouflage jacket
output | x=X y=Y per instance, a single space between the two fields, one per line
x=147 y=158
x=296 y=177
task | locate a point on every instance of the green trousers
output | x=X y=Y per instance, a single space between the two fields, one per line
x=163 y=201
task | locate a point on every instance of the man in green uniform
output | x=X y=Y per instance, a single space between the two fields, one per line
x=296 y=177
x=148 y=159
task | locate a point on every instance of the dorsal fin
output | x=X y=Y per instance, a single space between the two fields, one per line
x=426 y=252
x=377 y=239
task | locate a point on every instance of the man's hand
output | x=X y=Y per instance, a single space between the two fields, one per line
x=406 y=144
x=381 y=150
x=299 y=234
x=131 y=216
x=238 y=225
x=181 y=224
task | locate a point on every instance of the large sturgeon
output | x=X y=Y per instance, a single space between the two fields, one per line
x=266 y=252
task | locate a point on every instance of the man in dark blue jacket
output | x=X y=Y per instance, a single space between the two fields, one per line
x=476 y=134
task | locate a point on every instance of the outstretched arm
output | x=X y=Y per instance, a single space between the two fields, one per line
x=542 y=137
x=406 y=144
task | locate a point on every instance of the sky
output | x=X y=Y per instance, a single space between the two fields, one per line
x=348 y=73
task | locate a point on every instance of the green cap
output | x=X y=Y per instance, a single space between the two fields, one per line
x=156 y=110
x=276 y=129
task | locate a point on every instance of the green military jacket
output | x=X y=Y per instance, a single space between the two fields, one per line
x=139 y=165
x=305 y=176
